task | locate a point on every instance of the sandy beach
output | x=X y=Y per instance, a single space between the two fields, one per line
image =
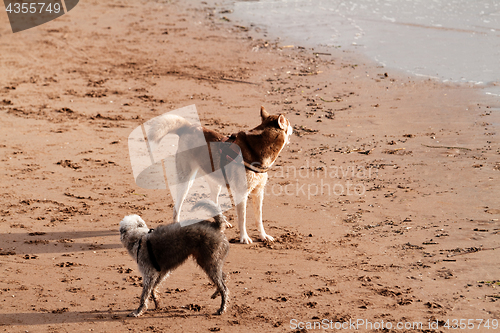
x=384 y=205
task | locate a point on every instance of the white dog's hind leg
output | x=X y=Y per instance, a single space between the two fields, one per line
x=182 y=188
x=215 y=190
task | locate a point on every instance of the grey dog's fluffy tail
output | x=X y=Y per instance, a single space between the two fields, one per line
x=214 y=210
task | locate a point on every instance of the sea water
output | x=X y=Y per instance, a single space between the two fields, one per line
x=449 y=40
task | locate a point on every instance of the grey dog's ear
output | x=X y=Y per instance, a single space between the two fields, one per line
x=141 y=223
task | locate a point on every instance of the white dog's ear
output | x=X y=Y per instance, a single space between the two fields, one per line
x=282 y=121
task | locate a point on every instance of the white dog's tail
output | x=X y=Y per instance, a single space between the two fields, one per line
x=165 y=124
x=214 y=210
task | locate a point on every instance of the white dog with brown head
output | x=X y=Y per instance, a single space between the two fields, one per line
x=259 y=149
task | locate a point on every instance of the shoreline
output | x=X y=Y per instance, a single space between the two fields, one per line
x=260 y=26
x=417 y=245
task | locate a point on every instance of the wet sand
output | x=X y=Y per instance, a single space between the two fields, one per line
x=384 y=206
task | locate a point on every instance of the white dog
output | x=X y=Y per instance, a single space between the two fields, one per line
x=259 y=148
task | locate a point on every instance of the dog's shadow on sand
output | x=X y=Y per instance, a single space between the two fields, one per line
x=58 y=242
x=64 y=317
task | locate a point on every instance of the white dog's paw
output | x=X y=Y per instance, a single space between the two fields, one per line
x=245 y=240
x=228 y=225
x=134 y=314
x=267 y=238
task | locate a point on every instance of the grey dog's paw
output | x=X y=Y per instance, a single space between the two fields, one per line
x=219 y=312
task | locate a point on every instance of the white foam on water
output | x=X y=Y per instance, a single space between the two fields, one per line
x=457 y=40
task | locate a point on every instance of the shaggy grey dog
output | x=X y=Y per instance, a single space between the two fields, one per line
x=161 y=250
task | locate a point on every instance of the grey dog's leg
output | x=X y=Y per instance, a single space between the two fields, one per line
x=217 y=292
x=213 y=268
x=220 y=277
x=224 y=292
x=148 y=284
x=216 y=275
x=157 y=283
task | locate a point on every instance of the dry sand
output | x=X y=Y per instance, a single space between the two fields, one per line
x=384 y=206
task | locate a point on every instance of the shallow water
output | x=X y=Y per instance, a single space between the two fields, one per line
x=454 y=40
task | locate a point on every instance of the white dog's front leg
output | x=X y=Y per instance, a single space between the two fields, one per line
x=257 y=201
x=241 y=210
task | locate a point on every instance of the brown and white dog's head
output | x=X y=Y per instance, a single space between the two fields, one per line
x=270 y=137
x=277 y=122
x=132 y=228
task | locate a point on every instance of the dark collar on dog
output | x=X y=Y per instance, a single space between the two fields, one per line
x=255 y=168
x=231 y=152
x=150 y=252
